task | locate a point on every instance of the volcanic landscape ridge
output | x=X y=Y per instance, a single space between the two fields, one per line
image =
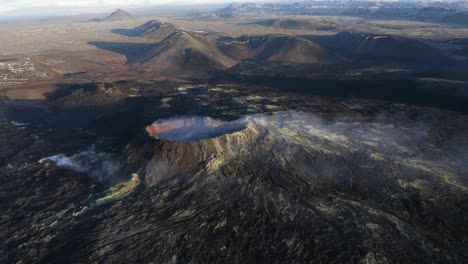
x=308 y=132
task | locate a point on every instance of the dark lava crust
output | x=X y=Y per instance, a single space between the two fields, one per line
x=361 y=181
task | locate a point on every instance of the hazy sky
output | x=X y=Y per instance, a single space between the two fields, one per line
x=8 y=6
x=36 y=8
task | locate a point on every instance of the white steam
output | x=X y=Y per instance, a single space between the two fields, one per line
x=99 y=166
x=193 y=128
x=66 y=162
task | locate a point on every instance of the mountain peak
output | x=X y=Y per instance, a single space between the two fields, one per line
x=117 y=15
x=120 y=12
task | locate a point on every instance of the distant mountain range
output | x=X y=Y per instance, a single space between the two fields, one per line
x=177 y=51
x=437 y=12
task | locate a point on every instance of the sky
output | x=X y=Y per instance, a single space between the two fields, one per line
x=38 y=8
x=12 y=7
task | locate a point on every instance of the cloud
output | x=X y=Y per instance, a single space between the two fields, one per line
x=99 y=166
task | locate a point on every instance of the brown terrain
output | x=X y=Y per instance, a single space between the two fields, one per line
x=90 y=51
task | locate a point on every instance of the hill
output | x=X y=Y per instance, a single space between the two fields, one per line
x=156 y=30
x=187 y=52
x=274 y=48
x=152 y=29
x=385 y=48
x=180 y=52
x=286 y=23
x=117 y=15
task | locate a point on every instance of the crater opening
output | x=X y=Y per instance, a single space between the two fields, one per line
x=186 y=129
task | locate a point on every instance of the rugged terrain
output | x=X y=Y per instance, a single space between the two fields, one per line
x=264 y=176
x=251 y=134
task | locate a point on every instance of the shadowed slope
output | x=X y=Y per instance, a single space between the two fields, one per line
x=273 y=48
x=187 y=52
x=381 y=47
x=134 y=52
x=286 y=23
x=152 y=29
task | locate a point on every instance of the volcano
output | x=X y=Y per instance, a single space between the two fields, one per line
x=206 y=179
x=118 y=15
x=153 y=29
x=156 y=30
x=291 y=141
x=273 y=48
x=185 y=52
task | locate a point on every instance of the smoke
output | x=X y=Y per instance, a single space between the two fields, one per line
x=99 y=166
x=395 y=133
x=105 y=171
x=192 y=128
x=66 y=162
x=398 y=134
x=428 y=143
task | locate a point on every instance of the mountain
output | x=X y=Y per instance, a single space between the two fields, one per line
x=179 y=52
x=385 y=48
x=152 y=29
x=185 y=51
x=437 y=12
x=117 y=15
x=286 y=23
x=273 y=48
x=156 y=30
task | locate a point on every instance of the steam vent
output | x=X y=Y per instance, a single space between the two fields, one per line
x=193 y=128
x=185 y=145
x=287 y=142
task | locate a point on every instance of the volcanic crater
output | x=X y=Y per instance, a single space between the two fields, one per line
x=196 y=128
